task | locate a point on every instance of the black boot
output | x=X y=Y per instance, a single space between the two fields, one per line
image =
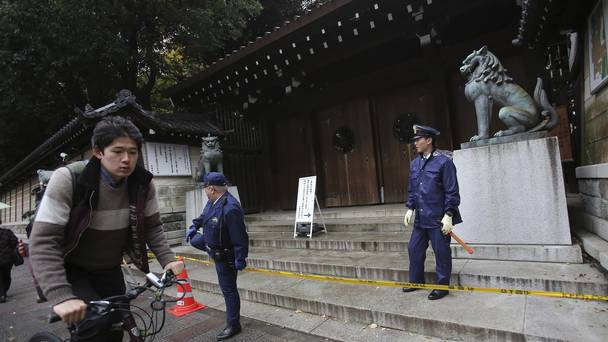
x=409 y=289
x=438 y=294
x=229 y=331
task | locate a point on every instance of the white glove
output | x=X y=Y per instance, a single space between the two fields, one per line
x=447 y=225
x=407 y=220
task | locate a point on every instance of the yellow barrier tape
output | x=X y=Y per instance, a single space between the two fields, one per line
x=387 y=283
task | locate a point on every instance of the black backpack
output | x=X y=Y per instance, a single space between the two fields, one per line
x=44 y=176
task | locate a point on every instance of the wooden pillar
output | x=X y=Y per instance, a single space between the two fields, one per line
x=269 y=162
x=13 y=205
x=3 y=211
x=313 y=121
x=22 y=200
x=377 y=146
x=441 y=108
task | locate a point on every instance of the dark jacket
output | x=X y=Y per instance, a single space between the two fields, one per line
x=8 y=243
x=433 y=190
x=227 y=214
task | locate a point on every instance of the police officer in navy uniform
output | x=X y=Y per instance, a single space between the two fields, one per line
x=432 y=204
x=226 y=241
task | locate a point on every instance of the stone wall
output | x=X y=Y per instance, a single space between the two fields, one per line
x=593 y=187
x=594 y=120
x=171 y=193
x=174 y=225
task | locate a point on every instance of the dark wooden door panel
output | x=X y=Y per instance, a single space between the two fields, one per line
x=349 y=178
x=396 y=156
x=294 y=157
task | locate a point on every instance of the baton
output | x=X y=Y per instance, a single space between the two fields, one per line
x=462 y=243
x=28 y=262
x=41 y=297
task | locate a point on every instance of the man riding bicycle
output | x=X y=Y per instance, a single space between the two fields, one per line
x=81 y=230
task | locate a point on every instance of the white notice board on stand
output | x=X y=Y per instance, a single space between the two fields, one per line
x=305 y=205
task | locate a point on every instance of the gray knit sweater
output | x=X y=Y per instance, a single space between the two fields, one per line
x=100 y=246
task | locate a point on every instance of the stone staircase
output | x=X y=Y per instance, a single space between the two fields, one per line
x=370 y=243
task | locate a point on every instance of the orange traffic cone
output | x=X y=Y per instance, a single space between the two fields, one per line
x=187 y=304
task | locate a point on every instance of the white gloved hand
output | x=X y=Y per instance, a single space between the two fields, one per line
x=407 y=220
x=447 y=225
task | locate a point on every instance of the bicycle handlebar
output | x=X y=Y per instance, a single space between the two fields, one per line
x=167 y=279
x=53 y=317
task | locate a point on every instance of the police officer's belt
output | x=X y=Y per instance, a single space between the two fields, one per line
x=221 y=254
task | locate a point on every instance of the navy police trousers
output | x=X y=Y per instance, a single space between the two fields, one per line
x=226 y=276
x=417 y=247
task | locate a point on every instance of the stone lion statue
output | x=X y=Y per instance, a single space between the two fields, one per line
x=488 y=83
x=211 y=157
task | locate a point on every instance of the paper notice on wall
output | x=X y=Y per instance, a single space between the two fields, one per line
x=167 y=159
x=305 y=205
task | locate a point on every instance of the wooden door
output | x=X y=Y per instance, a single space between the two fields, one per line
x=348 y=178
x=395 y=155
x=293 y=157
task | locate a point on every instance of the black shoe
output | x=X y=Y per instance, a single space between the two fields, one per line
x=229 y=331
x=438 y=294
x=2 y=299
x=40 y=300
x=409 y=289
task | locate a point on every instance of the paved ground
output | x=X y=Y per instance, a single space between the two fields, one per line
x=22 y=317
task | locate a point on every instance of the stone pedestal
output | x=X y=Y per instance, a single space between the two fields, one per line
x=513 y=194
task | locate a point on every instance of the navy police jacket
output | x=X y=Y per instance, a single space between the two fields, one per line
x=227 y=212
x=433 y=190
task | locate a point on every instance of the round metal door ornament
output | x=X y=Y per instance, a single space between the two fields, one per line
x=402 y=127
x=344 y=140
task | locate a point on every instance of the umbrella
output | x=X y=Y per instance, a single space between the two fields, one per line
x=4 y=205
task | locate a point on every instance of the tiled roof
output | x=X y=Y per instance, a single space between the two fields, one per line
x=124 y=104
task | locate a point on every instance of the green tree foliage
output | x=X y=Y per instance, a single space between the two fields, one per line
x=55 y=55
x=58 y=54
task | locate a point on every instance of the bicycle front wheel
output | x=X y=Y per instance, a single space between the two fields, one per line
x=45 y=337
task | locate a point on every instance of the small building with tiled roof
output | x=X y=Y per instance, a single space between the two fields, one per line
x=175 y=135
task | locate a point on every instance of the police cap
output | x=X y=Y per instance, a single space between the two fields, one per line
x=214 y=178
x=421 y=131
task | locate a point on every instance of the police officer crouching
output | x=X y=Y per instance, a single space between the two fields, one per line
x=434 y=198
x=226 y=241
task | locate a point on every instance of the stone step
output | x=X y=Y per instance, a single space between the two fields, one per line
x=316 y=325
x=461 y=315
x=397 y=242
x=595 y=246
x=384 y=224
x=175 y=242
x=394 y=266
x=375 y=211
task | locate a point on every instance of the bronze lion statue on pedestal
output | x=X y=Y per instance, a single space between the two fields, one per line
x=488 y=83
x=211 y=158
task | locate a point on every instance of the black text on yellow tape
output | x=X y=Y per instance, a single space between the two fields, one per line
x=540 y=293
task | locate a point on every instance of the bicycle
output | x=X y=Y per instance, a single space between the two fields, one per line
x=100 y=308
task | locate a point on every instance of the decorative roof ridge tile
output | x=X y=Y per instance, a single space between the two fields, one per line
x=84 y=120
